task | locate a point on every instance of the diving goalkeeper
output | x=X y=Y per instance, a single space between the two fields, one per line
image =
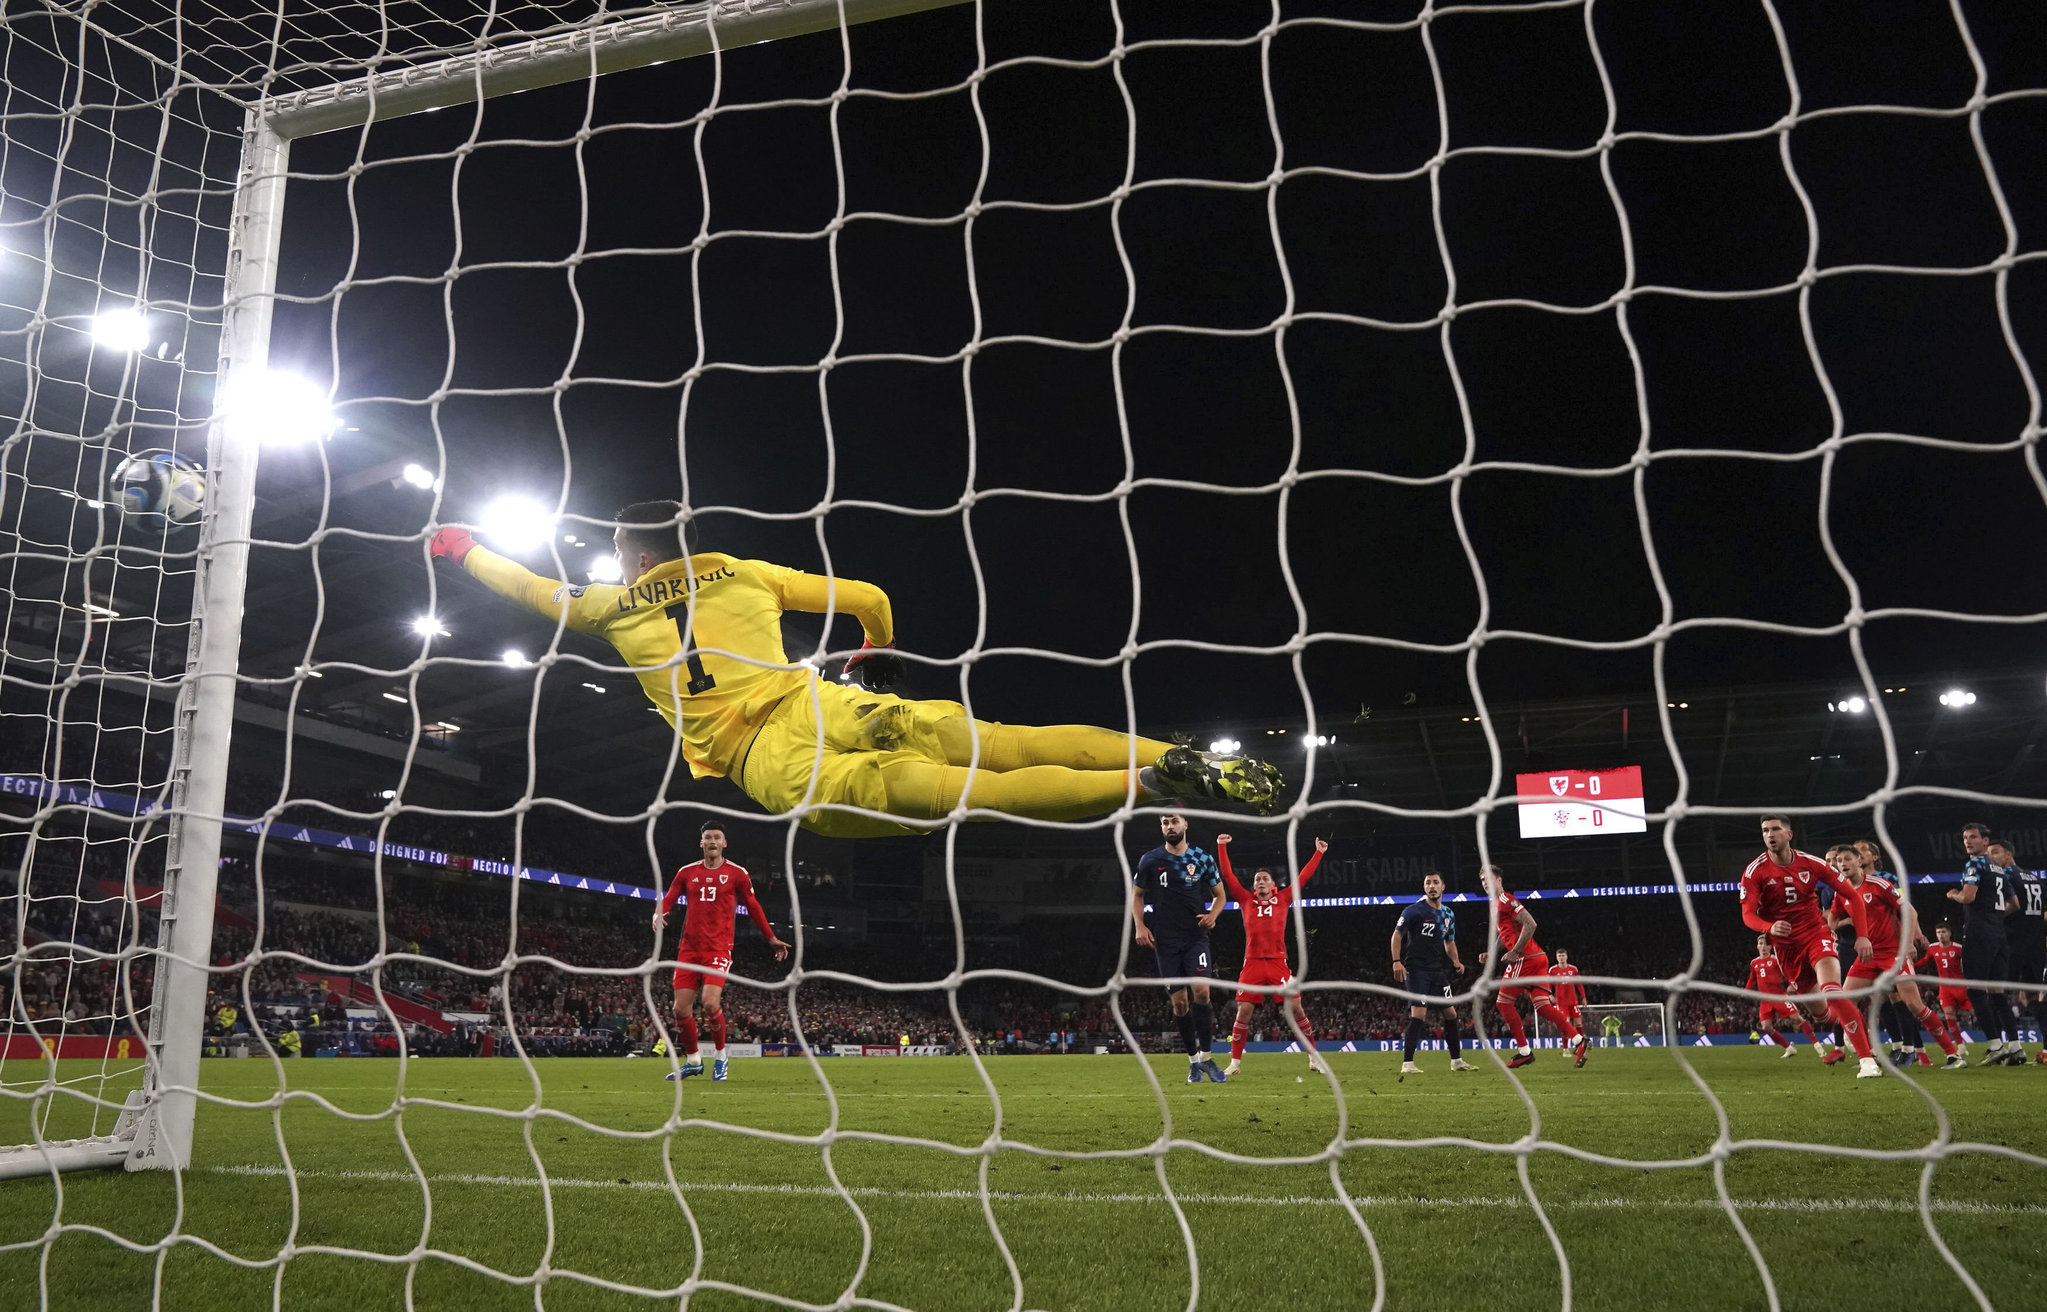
x=703 y=634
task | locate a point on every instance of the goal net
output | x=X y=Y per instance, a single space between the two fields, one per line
x=1407 y=400
x=1626 y=1024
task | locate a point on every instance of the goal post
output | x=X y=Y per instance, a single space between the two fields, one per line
x=1629 y=1024
x=154 y=1131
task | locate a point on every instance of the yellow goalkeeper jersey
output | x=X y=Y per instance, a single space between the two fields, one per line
x=704 y=637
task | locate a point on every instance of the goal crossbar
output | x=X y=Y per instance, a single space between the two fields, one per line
x=674 y=32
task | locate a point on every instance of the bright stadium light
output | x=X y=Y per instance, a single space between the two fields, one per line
x=1225 y=745
x=422 y=478
x=429 y=626
x=594 y=687
x=517 y=524
x=398 y=697
x=514 y=658
x=1956 y=699
x=275 y=409
x=604 y=569
x=1851 y=705
x=125 y=330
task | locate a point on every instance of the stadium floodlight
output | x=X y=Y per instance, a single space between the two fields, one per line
x=1849 y=705
x=430 y=626
x=517 y=524
x=422 y=478
x=1956 y=699
x=1226 y=745
x=273 y=408
x=125 y=330
x=515 y=658
x=594 y=687
x=604 y=569
x=398 y=697
x=389 y=794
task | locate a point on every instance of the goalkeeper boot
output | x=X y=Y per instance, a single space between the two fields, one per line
x=1184 y=772
x=1871 y=1069
x=1462 y=1065
x=1212 y=1071
x=717 y=1070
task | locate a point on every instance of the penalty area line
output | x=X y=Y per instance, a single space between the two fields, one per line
x=1194 y=1198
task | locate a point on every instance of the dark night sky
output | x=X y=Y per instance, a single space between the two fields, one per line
x=1955 y=529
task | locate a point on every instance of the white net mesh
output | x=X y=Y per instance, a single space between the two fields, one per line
x=851 y=282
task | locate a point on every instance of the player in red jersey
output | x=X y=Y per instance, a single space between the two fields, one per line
x=1766 y=975
x=714 y=887
x=1521 y=957
x=1886 y=918
x=1945 y=956
x=1779 y=897
x=1264 y=906
x=1570 y=993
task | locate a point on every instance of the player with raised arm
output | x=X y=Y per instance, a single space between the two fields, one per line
x=1569 y=992
x=1780 y=898
x=711 y=890
x=1184 y=886
x=1521 y=958
x=1424 y=953
x=702 y=632
x=1945 y=956
x=1766 y=976
x=1264 y=906
x=1889 y=925
x=1986 y=898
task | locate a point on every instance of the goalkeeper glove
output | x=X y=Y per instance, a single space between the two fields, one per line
x=877 y=668
x=454 y=543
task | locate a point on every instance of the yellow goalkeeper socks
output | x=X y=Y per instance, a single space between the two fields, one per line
x=1007 y=747
x=923 y=791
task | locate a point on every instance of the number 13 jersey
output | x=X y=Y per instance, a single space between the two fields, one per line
x=730 y=610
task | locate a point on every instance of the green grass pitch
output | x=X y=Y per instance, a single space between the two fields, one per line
x=1451 y=1222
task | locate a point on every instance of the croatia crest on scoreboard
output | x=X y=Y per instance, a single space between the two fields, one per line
x=1570 y=803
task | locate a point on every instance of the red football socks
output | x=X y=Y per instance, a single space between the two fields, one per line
x=686 y=1028
x=1848 y=1018
x=1238 y=1035
x=1513 y=1019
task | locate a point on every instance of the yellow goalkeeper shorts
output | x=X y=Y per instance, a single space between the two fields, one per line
x=867 y=737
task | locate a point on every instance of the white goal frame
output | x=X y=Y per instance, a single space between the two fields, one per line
x=155 y=1131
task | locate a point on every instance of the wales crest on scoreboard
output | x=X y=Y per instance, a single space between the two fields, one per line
x=1575 y=803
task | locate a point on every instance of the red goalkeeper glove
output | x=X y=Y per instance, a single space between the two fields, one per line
x=877 y=668
x=454 y=543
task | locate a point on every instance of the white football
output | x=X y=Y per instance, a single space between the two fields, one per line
x=160 y=485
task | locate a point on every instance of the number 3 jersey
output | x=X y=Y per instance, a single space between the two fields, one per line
x=729 y=609
x=710 y=897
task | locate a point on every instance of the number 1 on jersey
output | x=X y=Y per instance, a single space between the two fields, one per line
x=700 y=679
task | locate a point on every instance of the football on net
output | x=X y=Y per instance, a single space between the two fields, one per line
x=158 y=485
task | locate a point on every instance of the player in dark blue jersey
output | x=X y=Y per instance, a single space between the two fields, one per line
x=1184 y=889
x=2027 y=934
x=1424 y=954
x=1987 y=896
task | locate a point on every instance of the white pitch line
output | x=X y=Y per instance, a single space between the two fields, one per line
x=1235 y=1200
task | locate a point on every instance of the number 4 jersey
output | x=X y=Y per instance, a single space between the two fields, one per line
x=684 y=627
